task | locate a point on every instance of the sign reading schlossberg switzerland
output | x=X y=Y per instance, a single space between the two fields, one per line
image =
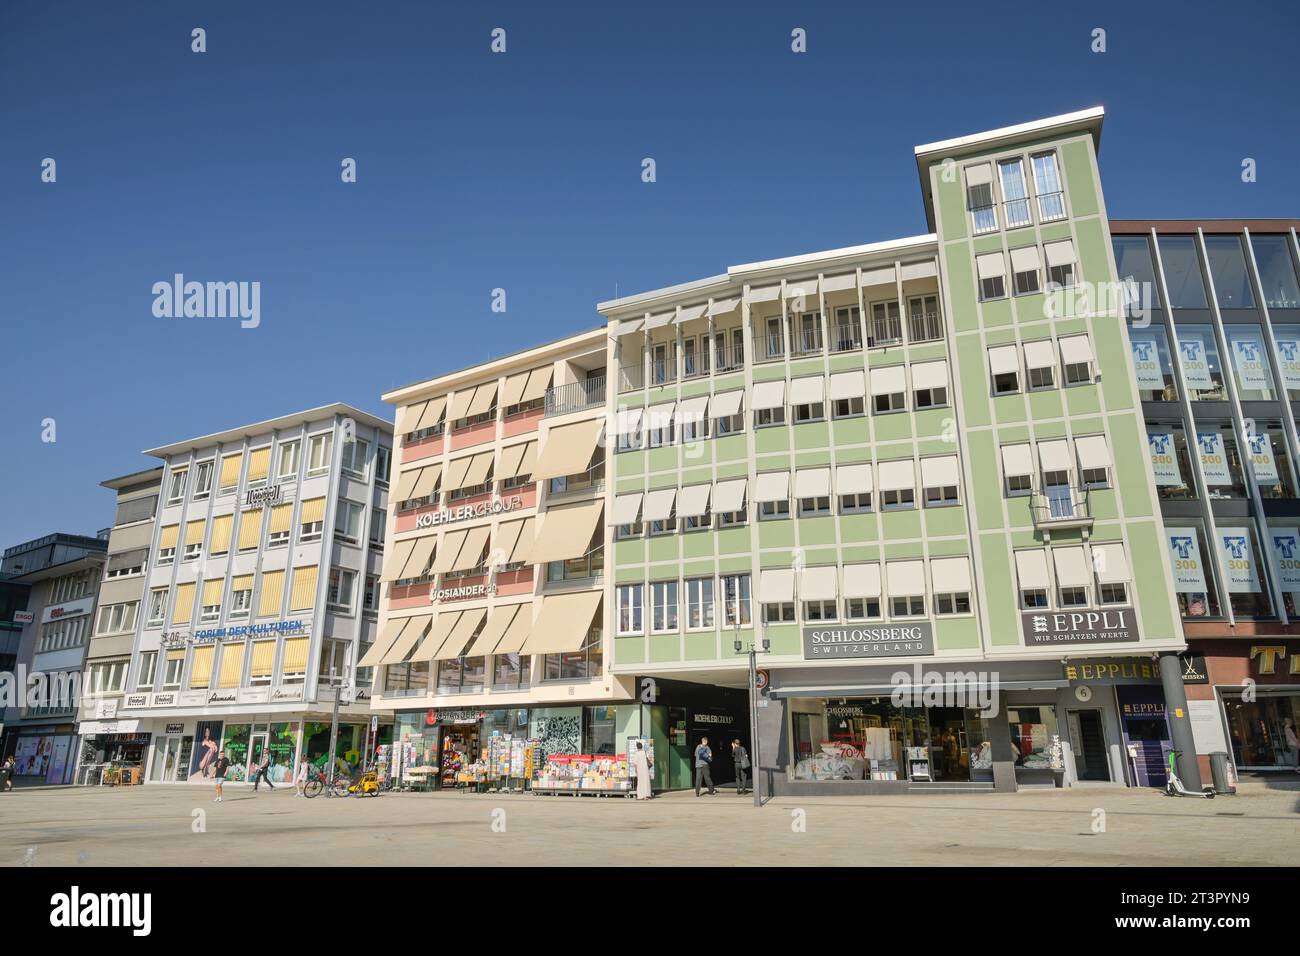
x=1115 y=625
x=882 y=640
x=431 y=519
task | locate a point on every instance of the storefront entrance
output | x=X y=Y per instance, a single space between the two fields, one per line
x=1089 y=745
x=459 y=746
x=171 y=759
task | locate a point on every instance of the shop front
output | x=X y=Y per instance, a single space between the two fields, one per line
x=112 y=751
x=1116 y=721
x=45 y=754
x=1244 y=694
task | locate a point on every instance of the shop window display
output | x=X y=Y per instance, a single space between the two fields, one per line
x=1035 y=738
x=1265 y=732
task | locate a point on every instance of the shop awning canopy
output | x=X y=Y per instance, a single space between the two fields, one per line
x=563 y=624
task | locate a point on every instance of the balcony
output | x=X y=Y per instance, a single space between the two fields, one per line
x=1061 y=507
x=807 y=342
x=631 y=378
x=662 y=372
x=846 y=338
x=924 y=326
x=728 y=358
x=575 y=396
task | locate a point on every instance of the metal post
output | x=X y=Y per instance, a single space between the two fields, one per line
x=334 y=727
x=753 y=724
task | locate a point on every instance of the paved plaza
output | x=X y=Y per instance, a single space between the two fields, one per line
x=155 y=826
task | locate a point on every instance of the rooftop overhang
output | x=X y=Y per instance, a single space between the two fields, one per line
x=83 y=563
x=135 y=478
x=1081 y=121
x=271 y=425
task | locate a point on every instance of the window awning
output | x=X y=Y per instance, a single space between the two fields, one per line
x=396 y=560
x=627 y=508
x=448 y=548
x=889 y=380
x=539 y=380
x=194 y=531
x=879 y=276
x=1024 y=259
x=1076 y=349
x=438 y=633
x=459 y=638
x=431 y=414
x=802 y=287
x=1110 y=563
x=627 y=421
x=689 y=313
x=812 y=483
x=460 y=402
x=660 y=416
x=563 y=624
x=479 y=468
x=567 y=449
x=1054 y=455
x=456 y=472
x=853 y=480
x=471 y=550
x=566 y=532
x=659 y=504
x=896 y=475
x=522 y=535
x=990 y=265
x=729 y=496
x=517 y=633
x=862 y=580
x=847 y=385
x=980 y=175
x=513 y=458
x=628 y=326
x=930 y=375
x=768 y=293
x=776 y=585
x=950 y=575
x=840 y=283
x=919 y=270
x=905 y=578
x=1071 y=567
x=1003 y=359
x=772 y=486
x=406 y=480
x=1059 y=253
x=512 y=391
x=819 y=583
x=412 y=630
x=1031 y=569
x=484 y=399
x=724 y=306
x=1040 y=354
x=418 y=560
x=1092 y=451
x=939 y=471
x=694 y=409
x=726 y=404
x=1017 y=460
x=391 y=632
x=498 y=623
x=658 y=321
x=693 y=501
x=768 y=395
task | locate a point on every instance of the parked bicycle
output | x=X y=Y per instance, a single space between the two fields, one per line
x=319 y=783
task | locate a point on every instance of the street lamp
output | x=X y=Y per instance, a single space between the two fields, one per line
x=739 y=645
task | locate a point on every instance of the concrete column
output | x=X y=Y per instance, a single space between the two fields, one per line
x=1004 y=761
x=1180 y=721
x=773 y=750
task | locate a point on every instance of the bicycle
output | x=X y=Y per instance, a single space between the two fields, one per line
x=319 y=783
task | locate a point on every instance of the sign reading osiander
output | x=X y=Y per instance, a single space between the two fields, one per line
x=867 y=641
x=431 y=519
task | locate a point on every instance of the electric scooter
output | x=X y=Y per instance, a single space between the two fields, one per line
x=1174 y=786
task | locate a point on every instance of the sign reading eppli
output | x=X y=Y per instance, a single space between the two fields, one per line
x=881 y=640
x=1115 y=625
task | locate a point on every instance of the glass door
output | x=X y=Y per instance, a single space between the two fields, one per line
x=256 y=750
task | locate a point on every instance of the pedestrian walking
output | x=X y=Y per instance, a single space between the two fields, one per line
x=644 y=767
x=219 y=769
x=7 y=773
x=300 y=779
x=703 y=760
x=740 y=757
x=263 y=771
x=1292 y=742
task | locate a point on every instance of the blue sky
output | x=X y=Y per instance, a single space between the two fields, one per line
x=518 y=170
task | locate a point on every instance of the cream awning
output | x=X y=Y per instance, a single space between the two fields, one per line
x=413 y=629
x=1017 y=460
x=862 y=580
x=566 y=532
x=539 y=380
x=853 y=480
x=563 y=624
x=498 y=623
x=653 y=322
x=459 y=638
x=627 y=327
x=1054 y=455
x=1110 y=563
x=480 y=466
x=567 y=449
x=512 y=460
x=689 y=313
x=980 y=175
x=471 y=549
x=483 y=399
x=726 y=404
x=925 y=269
x=802 y=287
x=769 y=293
x=1003 y=359
x=391 y=632
x=512 y=392
x=627 y=421
x=729 y=496
x=443 y=623
x=659 y=504
x=183 y=609
x=772 y=486
x=808 y=390
x=431 y=414
x=882 y=275
x=1024 y=259
x=848 y=385
x=724 y=306
x=776 y=585
x=515 y=540
x=418 y=560
x=448 y=548
x=627 y=508
x=1060 y=252
x=694 y=409
x=1040 y=354
x=1031 y=569
x=905 y=578
x=1071 y=567
x=990 y=265
x=939 y=471
x=950 y=575
x=768 y=395
x=930 y=375
x=1092 y=451
x=812 y=483
x=396 y=560
x=460 y=403
x=889 y=380
x=516 y=635
x=1076 y=349
x=840 y=283
x=693 y=501
x=896 y=475
x=819 y=583
x=406 y=484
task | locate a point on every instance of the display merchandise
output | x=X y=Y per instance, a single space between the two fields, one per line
x=587 y=774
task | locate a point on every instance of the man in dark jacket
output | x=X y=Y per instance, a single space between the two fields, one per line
x=703 y=759
x=741 y=759
x=219 y=768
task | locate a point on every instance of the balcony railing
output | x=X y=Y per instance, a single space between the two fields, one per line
x=1061 y=506
x=662 y=372
x=575 y=396
x=806 y=342
x=846 y=338
x=695 y=365
x=729 y=358
x=924 y=327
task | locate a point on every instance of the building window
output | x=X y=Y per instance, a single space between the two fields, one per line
x=727 y=519
x=355 y=454
x=697 y=522
x=241 y=597
x=810 y=412
x=211 y=612
x=192 y=551
x=1041 y=378
x=856 y=503
x=511 y=671
x=891 y=402
x=333 y=666
x=992 y=272
x=347 y=521
x=924 y=324
x=940 y=496
x=318 y=453
x=115 y=618
x=1182 y=271
x=1277 y=275
x=898 y=499
x=631 y=609
x=383 y=463
x=886 y=324
x=695 y=429
x=779 y=613
x=979 y=199
x=1073 y=596
x=849 y=407
x=764 y=417
x=663 y=596
x=735 y=600
x=699 y=603
x=1113 y=594
x=107 y=677
x=813 y=507
x=931 y=397
x=1015 y=195
x=342 y=582
x=773 y=510
x=173 y=668
x=861 y=609
x=145 y=673
x=820 y=611
x=157 y=607
x=848 y=330
x=1047 y=186
x=1018 y=485
x=134 y=565
x=202 y=480
x=289 y=451
x=1094 y=478
x=1031 y=598
x=1025 y=282
x=176 y=488
x=958 y=603
x=728 y=424
x=907 y=606
x=625 y=531
x=371 y=599
x=63 y=633
x=659 y=430
x=1078 y=373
